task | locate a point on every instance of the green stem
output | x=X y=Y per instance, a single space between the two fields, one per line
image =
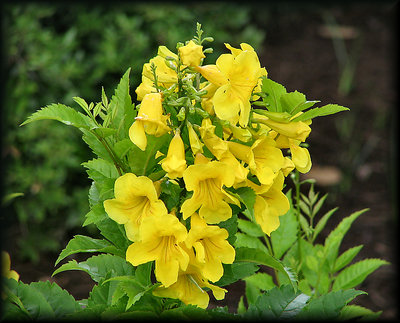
x=268 y=243
x=296 y=181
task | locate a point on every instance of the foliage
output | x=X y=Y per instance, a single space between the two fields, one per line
x=187 y=196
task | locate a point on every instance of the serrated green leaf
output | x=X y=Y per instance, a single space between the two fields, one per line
x=290 y=101
x=122 y=147
x=346 y=257
x=261 y=258
x=80 y=243
x=143 y=162
x=248 y=197
x=120 y=104
x=244 y=240
x=356 y=273
x=274 y=91
x=328 y=306
x=303 y=106
x=234 y=272
x=262 y=281
x=322 y=222
x=61 y=113
x=278 y=303
x=250 y=228
x=99 y=266
x=95 y=145
x=98 y=169
x=44 y=300
x=319 y=112
x=334 y=239
x=103 y=132
x=352 y=312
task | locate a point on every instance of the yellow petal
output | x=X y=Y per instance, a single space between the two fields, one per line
x=212 y=74
x=301 y=158
x=175 y=163
x=137 y=135
x=227 y=104
x=296 y=130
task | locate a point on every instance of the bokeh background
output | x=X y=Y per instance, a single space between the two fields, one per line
x=342 y=53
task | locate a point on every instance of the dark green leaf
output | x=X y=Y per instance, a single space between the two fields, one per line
x=328 y=306
x=278 y=303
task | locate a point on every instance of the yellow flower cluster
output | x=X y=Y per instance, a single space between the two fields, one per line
x=224 y=148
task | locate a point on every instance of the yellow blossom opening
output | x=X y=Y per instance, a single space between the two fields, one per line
x=207 y=181
x=161 y=236
x=136 y=198
x=150 y=120
x=212 y=248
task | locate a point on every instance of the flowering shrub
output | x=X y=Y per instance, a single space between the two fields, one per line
x=188 y=194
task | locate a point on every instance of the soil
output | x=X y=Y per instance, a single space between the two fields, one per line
x=353 y=152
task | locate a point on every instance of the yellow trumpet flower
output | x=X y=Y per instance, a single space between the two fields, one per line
x=136 y=198
x=206 y=180
x=160 y=241
x=189 y=286
x=236 y=75
x=212 y=248
x=150 y=120
x=175 y=163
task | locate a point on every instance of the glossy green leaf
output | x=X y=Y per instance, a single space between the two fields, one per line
x=278 y=303
x=61 y=113
x=98 y=266
x=259 y=257
x=250 y=228
x=328 y=306
x=43 y=300
x=80 y=243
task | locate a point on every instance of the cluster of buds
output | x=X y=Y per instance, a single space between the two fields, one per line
x=217 y=144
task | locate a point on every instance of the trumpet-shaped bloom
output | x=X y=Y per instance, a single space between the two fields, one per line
x=263 y=158
x=175 y=163
x=236 y=75
x=300 y=156
x=206 y=180
x=212 y=248
x=150 y=120
x=220 y=149
x=136 y=198
x=270 y=204
x=160 y=241
x=6 y=270
x=191 y=54
x=298 y=130
x=195 y=144
x=189 y=286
